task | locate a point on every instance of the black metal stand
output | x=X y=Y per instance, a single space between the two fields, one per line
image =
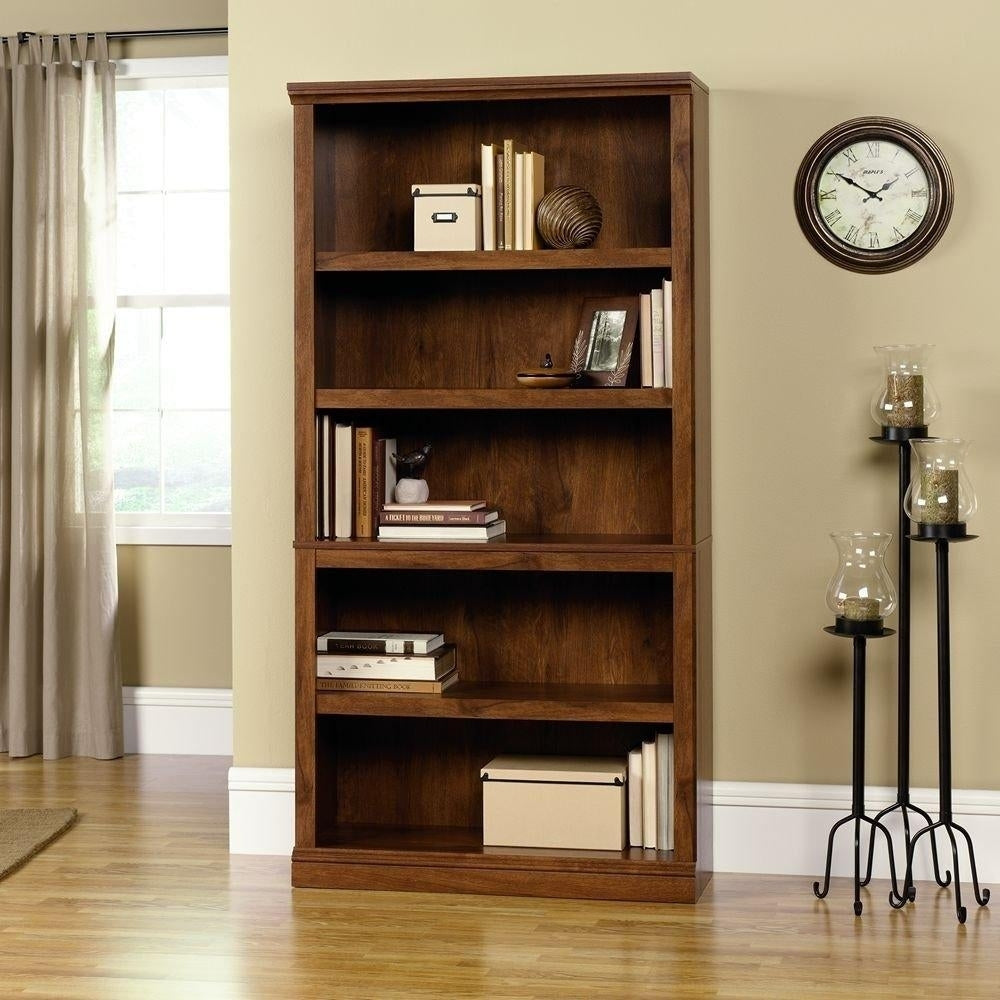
x=859 y=633
x=943 y=536
x=902 y=436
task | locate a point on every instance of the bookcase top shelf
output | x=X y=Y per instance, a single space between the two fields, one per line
x=484 y=260
x=516 y=398
x=547 y=702
x=495 y=88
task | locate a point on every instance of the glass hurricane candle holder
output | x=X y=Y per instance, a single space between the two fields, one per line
x=861 y=593
x=940 y=498
x=905 y=401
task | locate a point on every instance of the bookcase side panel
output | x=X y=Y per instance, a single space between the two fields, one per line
x=704 y=716
x=702 y=318
x=304 y=299
x=305 y=699
x=685 y=724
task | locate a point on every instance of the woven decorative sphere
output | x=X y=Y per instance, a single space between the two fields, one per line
x=569 y=218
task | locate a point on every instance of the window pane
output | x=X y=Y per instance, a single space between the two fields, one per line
x=140 y=140
x=196 y=358
x=197 y=243
x=196 y=462
x=140 y=244
x=137 y=462
x=197 y=130
x=135 y=383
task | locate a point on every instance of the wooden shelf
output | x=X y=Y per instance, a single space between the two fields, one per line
x=483 y=260
x=568 y=553
x=517 y=398
x=472 y=700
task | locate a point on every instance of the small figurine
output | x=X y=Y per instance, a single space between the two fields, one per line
x=411 y=486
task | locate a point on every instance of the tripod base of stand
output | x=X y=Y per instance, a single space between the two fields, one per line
x=903 y=807
x=875 y=825
x=950 y=827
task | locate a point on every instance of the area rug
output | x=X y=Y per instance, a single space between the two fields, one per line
x=25 y=832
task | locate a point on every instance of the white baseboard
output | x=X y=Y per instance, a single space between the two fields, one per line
x=178 y=720
x=261 y=810
x=769 y=829
x=782 y=829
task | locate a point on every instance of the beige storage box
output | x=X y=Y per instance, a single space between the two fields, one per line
x=447 y=216
x=575 y=802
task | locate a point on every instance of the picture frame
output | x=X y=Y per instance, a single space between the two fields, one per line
x=605 y=340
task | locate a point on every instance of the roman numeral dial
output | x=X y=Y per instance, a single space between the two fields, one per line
x=880 y=191
x=873 y=194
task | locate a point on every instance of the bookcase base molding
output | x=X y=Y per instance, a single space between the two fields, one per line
x=587 y=630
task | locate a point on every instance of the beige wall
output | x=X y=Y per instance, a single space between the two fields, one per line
x=174 y=616
x=175 y=610
x=792 y=337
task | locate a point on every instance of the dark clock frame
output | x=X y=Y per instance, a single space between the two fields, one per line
x=940 y=195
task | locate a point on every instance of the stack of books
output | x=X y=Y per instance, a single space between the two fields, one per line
x=513 y=185
x=390 y=662
x=656 y=337
x=651 y=794
x=441 y=521
x=354 y=478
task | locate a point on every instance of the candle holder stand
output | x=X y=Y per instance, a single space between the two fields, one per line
x=943 y=535
x=859 y=632
x=900 y=437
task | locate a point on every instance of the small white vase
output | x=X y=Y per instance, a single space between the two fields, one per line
x=412 y=491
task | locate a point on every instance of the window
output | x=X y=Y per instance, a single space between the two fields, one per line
x=170 y=389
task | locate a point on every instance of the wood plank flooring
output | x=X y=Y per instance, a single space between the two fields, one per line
x=141 y=900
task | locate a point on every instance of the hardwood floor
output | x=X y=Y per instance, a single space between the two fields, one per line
x=141 y=900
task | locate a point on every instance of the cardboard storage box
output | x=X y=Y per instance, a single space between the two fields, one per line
x=447 y=216
x=575 y=802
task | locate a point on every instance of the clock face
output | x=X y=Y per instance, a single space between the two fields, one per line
x=872 y=194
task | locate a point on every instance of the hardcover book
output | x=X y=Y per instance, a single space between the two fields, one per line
x=649 y=794
x=364 y=522
x=439 y=505
x=489 y=154
x=343 y=508
x=386 y=666
x=387 y=687
x=442 y=533
x=451 y=517
x=406 y=643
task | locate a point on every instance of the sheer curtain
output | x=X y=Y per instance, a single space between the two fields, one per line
x=60 y=680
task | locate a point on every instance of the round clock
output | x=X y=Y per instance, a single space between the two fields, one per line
x=874 y=194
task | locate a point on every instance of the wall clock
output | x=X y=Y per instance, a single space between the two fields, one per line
x=874 y=194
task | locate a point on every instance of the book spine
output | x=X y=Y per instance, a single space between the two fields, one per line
x=649 y=794
x=657 y=314
x=635 y=797
x=343 y=514
x=664 y=791
x=646 y=337
x=364 y=524
x=396 y=647
x=508 y=194
x=326 y=475
x=519 y=201
x=388 y=687
x=412 y=519
x=489 y=195
x=668 y=334
x=501 y=195
x=318 y=459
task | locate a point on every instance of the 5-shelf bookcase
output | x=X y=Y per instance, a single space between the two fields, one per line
x=589 y=628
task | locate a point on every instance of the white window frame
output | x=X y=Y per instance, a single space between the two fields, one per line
x=172 y=529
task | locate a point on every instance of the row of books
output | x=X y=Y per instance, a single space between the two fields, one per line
x=387 y=662
x=651 y=793
x=355 y=477
x=513 y=182
x=656 y=337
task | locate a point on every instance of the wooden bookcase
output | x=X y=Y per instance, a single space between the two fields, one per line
x=589 y=628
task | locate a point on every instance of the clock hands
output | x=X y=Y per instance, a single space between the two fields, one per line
x=884 y=187
x=871 y=194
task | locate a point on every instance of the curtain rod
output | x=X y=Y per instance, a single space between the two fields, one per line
x=23 y=36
